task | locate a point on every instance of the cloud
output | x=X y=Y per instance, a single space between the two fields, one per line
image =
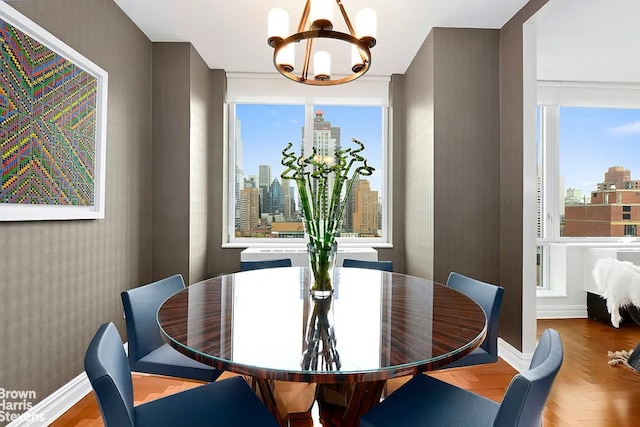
x=632 y=128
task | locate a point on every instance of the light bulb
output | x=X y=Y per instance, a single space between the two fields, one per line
x=357 y=63
x=285 y=57
x=322 y=65
x=277 y=26
x=321 y=14
x=366 y=22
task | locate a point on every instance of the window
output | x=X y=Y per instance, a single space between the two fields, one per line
x=587 y=178
x=263 y=208
x=587 y=173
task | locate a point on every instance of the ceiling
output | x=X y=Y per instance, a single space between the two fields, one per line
x=231 y=34
x=578 y=40
x=589 y=40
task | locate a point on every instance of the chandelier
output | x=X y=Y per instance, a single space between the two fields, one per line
x=316 y=25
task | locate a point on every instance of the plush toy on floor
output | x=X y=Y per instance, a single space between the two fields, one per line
x=619 y=283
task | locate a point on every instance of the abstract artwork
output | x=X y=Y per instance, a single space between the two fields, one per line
x=52 y=126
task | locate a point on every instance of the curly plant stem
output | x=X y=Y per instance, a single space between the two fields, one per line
x=323 y=212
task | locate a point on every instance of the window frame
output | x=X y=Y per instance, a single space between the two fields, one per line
x=271 y=92
x=552 y=96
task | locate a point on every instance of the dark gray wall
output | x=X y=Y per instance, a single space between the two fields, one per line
x=511 y=184
x=61 y=279
x=170 y=159
x=397 y=159
x=220 y=260
x=199 y=217
x=180 y=210
x=418 y=167
x=466 y=154
x=452 y=159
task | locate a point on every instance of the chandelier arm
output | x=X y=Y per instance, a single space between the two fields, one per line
x=304 y=17
x=346 y=18
x=307 y=58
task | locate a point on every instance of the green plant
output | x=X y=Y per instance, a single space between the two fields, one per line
x=323 y=198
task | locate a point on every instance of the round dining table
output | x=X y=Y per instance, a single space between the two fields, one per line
x=375 y=326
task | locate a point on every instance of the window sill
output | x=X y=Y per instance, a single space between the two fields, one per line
x=283 y=246
x=551 y=293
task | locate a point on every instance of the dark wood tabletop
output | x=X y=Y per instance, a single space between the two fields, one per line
x=377 y=325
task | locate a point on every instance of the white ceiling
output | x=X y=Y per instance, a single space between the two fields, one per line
x=589 y=40
x=578 y=40
x=231 y=34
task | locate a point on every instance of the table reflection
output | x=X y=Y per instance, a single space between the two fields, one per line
x=320 y=338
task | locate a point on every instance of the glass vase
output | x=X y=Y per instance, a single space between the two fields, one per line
x=320 y=341
x=322 y=261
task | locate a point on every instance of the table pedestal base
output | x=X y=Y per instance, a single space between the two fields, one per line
x=339 y=405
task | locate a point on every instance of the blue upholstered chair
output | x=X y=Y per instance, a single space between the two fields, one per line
x=372 y=265
x=147 y=350
x=489 y=297
x=228 y=402
x=427 y=401
x=270 y=263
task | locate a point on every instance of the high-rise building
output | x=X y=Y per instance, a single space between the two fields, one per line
x=275 y=202
x=249 y=209
x=573 y=196
x=286 y=191
x=264 y=184
x=614 y=210
x=365 y=217
x=239 y=173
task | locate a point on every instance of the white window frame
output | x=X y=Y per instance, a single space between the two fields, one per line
x=551 y=96
x=274 y=89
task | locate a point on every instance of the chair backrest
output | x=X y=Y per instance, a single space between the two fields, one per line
x=269 y=263
x=106 y=365
x=372 y=265
x=525 y=398
x=489 y=297
x=141 y=308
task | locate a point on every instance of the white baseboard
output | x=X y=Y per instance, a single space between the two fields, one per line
x=578 y=311
x=514 y=357
x=53 y=406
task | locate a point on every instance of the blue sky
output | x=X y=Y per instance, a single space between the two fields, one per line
x=593 y=139
x=266 y=130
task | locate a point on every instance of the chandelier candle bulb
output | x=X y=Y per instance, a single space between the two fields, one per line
x=357 y=62
x=366 y=23
x=286 y=57
x=322 y=65
x=321 y=14
x=277 y=26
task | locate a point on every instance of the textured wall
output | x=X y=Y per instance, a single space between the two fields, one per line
x=467 y=153
x=418 y=163
x=511 y=184
x=61 y=279
x=198 y=167
x=397 y=157
x=170 y=166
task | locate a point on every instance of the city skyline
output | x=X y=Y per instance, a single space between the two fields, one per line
x=266 y=206
x=594 y=139
x=267 y=129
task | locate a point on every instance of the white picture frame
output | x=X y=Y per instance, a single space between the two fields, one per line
x=72 y=208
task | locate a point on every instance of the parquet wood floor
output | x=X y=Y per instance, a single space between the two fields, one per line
x=587 y=392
